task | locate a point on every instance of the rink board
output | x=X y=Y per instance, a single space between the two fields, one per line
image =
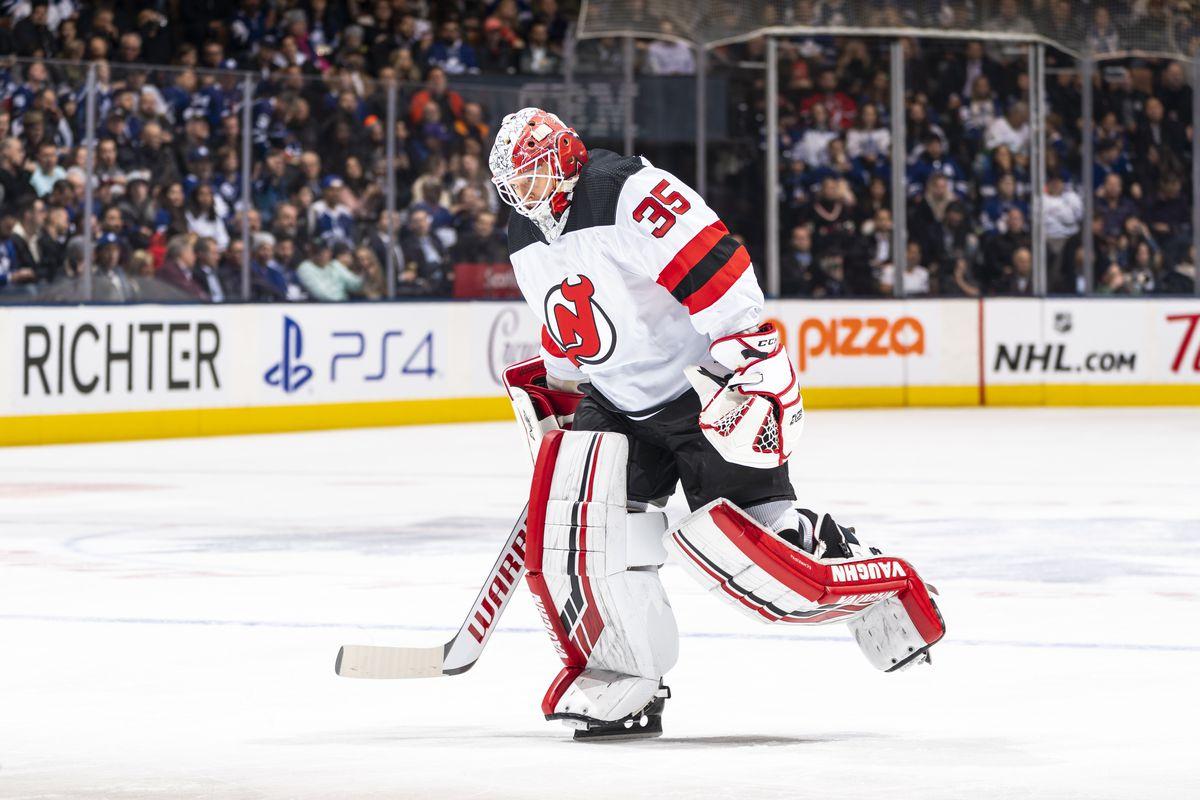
x=150 y=371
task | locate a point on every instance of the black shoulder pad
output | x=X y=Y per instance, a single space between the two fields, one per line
x=594 y=201
x=522 y=232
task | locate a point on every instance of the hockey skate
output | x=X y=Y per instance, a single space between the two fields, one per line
x=644 y=724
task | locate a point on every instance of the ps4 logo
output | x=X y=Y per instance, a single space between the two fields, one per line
x=377 y=353
x=289 y=373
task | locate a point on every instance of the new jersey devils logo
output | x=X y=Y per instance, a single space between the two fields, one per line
x=578 y=324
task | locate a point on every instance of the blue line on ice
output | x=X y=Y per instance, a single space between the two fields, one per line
x=1134 y=647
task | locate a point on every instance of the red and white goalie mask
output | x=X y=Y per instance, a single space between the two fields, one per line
x=535 y=164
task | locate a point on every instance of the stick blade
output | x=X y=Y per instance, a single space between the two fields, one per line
x=364 y=661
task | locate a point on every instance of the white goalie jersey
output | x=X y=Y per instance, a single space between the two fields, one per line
x=641 y=280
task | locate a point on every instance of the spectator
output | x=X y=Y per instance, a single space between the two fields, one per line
x=438 y=92
x=325 y=277
x=202 y=217
x=1156 y=132
x=14 y=181
x=869 y=139
x=916 y=275
x=171 y=218
x=496 y=56
x=139 y=212
x=367 y=266
x=1011 y=130
x=32 y=35
x=450 y=52
x=481 y=243
x=268 y=279
x=952 y=242
x=1017 y=275
x=52 y=245
x=380 y=241
x=219 y=284
x=1181 y=279
x=669 y=56
x=426 y=270
x=832 y=216
x=932 y=160
x=48 y=171
x=1114 y=281
x=1112 y=206
x=998 y=250
x=26 y=234
x=1062 y=213
x=330 y=218
x=798 y=274
x=963 y=282
x=813 y=146
x=840 y=108
x=538 y=57
x=110 y=282
x=177 y=269
x=15 y=281
x=1167 y=211
x=996 y=207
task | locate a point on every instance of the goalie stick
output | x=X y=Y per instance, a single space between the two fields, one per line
x=460 y=653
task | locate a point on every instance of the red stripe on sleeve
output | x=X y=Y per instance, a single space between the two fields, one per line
x=716 y=287
x=550 y=345
x=690 y=254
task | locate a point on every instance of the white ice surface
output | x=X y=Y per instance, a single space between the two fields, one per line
x=170 y=612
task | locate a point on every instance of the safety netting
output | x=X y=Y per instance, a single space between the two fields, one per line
x=1162 y=28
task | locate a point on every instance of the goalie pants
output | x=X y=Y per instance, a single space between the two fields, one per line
x=668 y=447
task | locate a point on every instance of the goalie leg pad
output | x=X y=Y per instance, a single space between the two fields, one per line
x=593 y=569
x=760 y=574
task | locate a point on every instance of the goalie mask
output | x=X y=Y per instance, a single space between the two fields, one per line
x=535 y=164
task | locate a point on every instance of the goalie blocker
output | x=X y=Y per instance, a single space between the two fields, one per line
x=886 y=605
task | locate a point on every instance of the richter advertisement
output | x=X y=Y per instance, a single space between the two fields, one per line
x=156 y=357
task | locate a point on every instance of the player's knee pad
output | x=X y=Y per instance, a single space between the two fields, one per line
x=593 y=568
x=745 y=565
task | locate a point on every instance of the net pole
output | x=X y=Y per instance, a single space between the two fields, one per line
x=701 y=117
x=1087 y=160
x=1196 y=174
x=772 y=176
x=899 y=156
x=247 y=121
x=1036 y=169
x=390 y=194
x=627 y=92
x=569 y=104
x=90 y=140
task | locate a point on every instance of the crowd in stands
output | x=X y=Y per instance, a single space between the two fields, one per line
x=169 y=206
x=967 y=182
x=171 y=217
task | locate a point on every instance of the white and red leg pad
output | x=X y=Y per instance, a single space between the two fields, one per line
x=593 y=569
x=887 y=605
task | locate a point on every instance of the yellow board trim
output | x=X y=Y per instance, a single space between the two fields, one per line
x=889 y=396
x=124 y=425
x=1093 y=394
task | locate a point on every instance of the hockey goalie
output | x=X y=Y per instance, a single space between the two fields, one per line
x=656 y=370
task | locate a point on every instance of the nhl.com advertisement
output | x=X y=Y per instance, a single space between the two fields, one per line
x=84 y=360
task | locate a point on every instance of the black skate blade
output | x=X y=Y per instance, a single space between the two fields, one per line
x=618 y=732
